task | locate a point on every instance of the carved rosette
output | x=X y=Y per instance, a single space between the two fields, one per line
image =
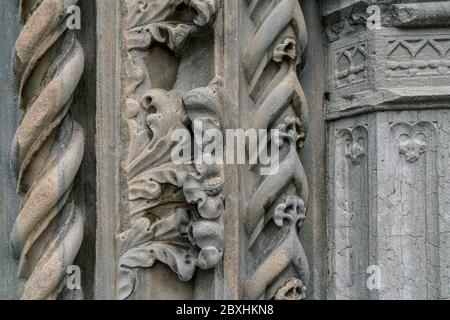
x=175 y=209
x=47 y=149
x=279 y=200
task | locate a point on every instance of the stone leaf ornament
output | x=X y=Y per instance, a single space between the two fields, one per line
x=177 y=208
x=151 y=22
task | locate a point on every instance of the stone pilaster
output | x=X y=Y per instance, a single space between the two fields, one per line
x=388 y=122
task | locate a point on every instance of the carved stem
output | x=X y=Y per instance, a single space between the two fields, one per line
x=47 y=149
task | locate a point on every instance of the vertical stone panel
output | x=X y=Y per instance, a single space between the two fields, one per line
x=396 y=77
x=408 y=200
x=108 y=146
x=349 y=210
x=443 y=190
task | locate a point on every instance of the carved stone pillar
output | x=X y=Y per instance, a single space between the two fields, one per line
x=49 y=161
x=388 y=122
x=47 y=149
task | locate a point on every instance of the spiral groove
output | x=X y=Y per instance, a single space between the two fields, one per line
x=271 y=63
x=47 y=149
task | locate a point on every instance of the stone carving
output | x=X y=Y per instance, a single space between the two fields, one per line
x=349 y=19
x=355 y=143
x=386 y=144
x=418 y=57
x=205 y=181
x=292 y=290
x=149 y=159
x=349 y=218
x=410 y=225
x=47 y=149
x=149 y=21
x=430 y=13
x=411 y=141
x=350 y=65
x=280 y=40
x=146 y=243
x=181 y=236
x=175 y=208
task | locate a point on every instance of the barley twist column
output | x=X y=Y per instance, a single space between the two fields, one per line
x=47 y=149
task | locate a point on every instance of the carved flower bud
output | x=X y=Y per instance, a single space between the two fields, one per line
x=132 y=108
x=292 y=209
x=213 y=186
x=287 y=49
x=355 y=150
x=412 y=148
x=293 y=289
x=208 y=258
x=293 y=130
x=206 y=234
x=203 y=11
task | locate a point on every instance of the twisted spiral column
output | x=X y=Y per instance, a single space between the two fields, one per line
x=47 y=149
x=274 y=56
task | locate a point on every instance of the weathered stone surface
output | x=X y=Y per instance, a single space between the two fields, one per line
x=358 y=90
x=386 y=111
x=427 y=14
x=9 y=200
x=46 y=69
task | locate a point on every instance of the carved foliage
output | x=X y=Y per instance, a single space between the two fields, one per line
x=193 y=235
x=175 y=208
x=151 y=21
x=146 y=243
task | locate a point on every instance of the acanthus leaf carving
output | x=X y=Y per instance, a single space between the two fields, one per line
x=150 y=22
x=196 y=233
x=175 y=208
x=146 y=243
